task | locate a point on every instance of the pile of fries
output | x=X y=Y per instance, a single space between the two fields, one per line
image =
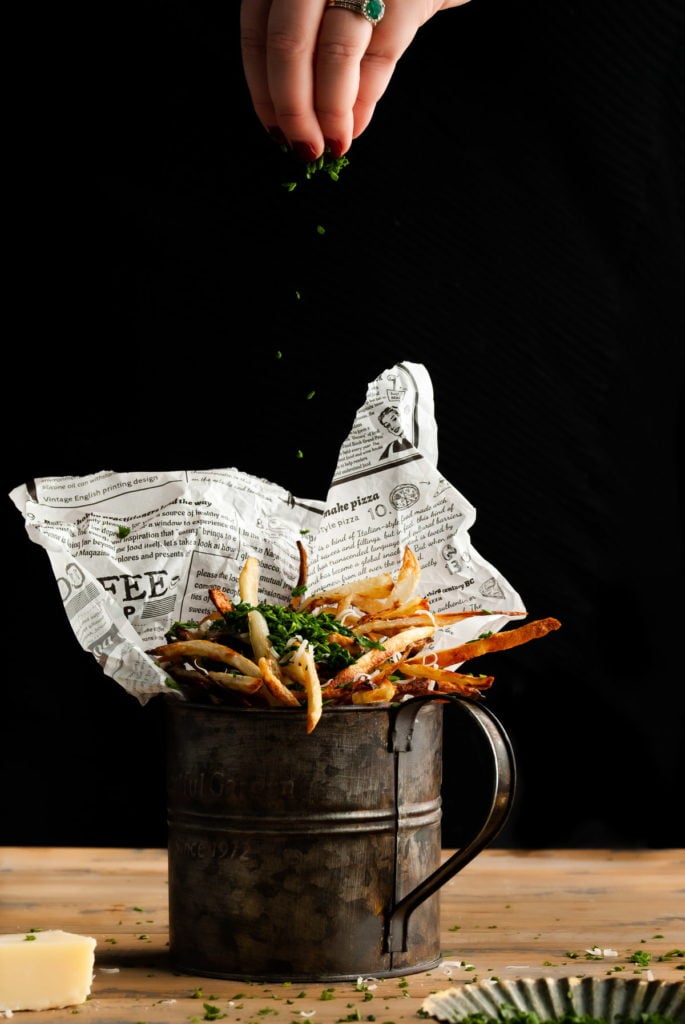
x=361 y=643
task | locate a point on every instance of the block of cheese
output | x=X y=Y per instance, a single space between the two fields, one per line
x=45 y=970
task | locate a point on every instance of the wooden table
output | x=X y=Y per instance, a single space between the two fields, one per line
x=510 y=914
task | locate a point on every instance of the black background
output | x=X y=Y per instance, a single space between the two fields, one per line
x=512 y=219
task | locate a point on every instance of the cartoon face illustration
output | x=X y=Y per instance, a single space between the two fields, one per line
x=390 y=419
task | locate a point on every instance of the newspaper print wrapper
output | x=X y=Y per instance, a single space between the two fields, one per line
x=132 y=553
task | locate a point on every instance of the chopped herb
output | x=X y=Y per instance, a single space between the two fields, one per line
x=331 y=166
x=311 y=395
x=287 y=627
x=188 y=624
x=123 y=531
x=320 y=229
x=29 y=938
x=641 y=957
x=212 y=1012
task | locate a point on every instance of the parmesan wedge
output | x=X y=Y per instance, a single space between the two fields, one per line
x=45 y=970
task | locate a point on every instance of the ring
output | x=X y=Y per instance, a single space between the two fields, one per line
x=372 y=10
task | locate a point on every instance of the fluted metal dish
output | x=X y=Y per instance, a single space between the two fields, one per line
x=606 y=999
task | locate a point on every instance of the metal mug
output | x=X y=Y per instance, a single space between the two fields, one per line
x=314 y=857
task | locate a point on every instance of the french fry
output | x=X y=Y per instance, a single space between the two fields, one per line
x=495 y=642
x=374 y=694
x=274 y=684
x=373 y=586
x=259 y=637
x=419 y=618
x=388 y=626
x=220 y=600
x=233 y=681
x=448 y=681
x=407 y=579
x=372 y=659
x=248 y=585
x=185 y=650
x=296 y=600
x=248 y=581
x=218 y=687
x=302 y=668
x=364 y=642
x=411 y=607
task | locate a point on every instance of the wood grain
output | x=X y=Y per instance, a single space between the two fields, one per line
x=510 y=914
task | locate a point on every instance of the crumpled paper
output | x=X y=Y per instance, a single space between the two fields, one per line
x=133 y=553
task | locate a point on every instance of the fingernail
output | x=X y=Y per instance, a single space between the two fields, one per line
x=304 y=151
x=277 y=135
x=334 y=147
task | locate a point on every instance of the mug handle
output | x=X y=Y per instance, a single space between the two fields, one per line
x=503 y=792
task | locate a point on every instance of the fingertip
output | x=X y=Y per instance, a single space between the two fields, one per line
x=335 y=147
x=305 y=151
x=275 y=133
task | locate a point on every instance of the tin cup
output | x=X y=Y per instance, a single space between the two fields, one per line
x=315 y=857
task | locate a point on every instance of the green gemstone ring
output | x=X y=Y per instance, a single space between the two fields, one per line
x=372 y=10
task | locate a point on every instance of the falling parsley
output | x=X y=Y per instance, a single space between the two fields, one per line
x=325 y=164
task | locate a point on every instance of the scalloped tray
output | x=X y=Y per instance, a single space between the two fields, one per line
x=608 y=999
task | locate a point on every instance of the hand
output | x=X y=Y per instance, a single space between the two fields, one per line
x=315 y=73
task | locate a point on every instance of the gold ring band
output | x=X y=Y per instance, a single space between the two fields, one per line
x=372 y=10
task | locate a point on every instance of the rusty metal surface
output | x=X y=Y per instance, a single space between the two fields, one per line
x=288 y=853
